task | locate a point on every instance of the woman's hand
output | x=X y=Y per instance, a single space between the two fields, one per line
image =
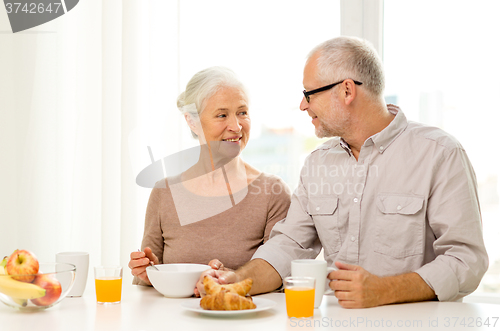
x=216 y=264
x=139 y=261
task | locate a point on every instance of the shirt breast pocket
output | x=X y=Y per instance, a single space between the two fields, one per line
x=326 y=220
x=400 y=225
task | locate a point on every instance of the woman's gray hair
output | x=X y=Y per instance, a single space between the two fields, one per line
x=350 y=57
x=204 y=85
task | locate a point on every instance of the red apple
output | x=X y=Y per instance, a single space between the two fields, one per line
x=52 y=289
x=22 y=262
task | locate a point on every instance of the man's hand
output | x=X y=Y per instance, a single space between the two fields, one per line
x=357 y=288
x=220 y=273
x=265 y=277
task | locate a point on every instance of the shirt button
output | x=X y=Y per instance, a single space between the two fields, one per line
x=317 y=208
x=353 y=238
x=355 y=199
x=381 y=147
x=399 y=207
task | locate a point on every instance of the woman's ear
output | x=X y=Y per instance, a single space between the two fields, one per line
x=191 y=122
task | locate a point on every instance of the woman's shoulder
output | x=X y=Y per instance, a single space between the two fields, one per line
x=165 y=182
x=271 y=184
x=270 y=178
x=162 y=187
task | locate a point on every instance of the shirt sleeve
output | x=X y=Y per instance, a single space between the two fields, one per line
x=453 y=214
x=292 y=238
x=153 y=234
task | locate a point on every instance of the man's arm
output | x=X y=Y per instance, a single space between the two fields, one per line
x=265 y=277
x=454 y=216
x=357 y=288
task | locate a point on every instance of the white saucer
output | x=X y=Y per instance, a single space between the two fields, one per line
x=261 y=303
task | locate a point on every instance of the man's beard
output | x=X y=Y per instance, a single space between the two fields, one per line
x=322 y=131
x=333 y=124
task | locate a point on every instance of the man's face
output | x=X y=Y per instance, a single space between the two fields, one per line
x=328 y=116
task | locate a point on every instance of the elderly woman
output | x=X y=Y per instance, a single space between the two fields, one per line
x=221 y=206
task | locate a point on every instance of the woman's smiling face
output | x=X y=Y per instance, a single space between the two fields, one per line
x=225 y=117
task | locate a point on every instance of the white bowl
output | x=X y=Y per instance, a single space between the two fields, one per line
x=176 y=280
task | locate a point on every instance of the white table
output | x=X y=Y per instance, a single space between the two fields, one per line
x=144 y=309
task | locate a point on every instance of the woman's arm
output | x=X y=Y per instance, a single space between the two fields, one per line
x=278 y=203
x=152 y=239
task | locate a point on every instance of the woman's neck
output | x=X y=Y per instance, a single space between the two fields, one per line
x=211 y=159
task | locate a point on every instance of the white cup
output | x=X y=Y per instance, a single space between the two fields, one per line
x=316 y=269
x=81 y=261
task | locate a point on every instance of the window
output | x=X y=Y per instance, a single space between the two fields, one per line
x=266 y=44
x=441 y=61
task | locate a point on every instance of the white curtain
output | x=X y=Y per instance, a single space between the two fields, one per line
x=83 y=96
x=75 y=95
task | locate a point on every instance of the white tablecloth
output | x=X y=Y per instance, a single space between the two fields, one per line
x=144 y=309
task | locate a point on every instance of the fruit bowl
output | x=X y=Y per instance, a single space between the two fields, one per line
x=49 y=287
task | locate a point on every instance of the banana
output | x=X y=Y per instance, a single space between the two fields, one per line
x=20 y=302
x=18 y=291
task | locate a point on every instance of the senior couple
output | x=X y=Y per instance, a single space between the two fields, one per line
x=410 y=231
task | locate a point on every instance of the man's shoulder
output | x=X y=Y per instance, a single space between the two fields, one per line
x=433 y=135
x=327 y=150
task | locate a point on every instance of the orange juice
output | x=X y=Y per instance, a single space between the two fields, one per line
x=108 y=289
x=299 y=301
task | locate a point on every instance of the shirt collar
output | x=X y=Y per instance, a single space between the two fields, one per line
x=383 y=139
x=345 y=146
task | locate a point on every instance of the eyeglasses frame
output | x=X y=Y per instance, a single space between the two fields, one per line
x=324 y=88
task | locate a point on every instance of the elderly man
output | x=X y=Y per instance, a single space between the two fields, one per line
x=393 y=203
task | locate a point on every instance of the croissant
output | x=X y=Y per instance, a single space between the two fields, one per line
x=241 y=288
x=225 y=300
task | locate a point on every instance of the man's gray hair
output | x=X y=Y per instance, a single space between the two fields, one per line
x=204 y=84
x=350 y=57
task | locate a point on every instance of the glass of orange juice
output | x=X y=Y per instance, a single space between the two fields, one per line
x=299 y=295
x=108 y=284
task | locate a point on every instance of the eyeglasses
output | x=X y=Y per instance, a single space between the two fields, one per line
x=324 y=88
